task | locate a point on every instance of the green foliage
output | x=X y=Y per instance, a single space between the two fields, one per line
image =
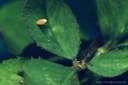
x=13 y=27
x=110 y=64
x=121 y=45
x=9 y=72
x=113 y=17
x=42 y=72
x=60 y=34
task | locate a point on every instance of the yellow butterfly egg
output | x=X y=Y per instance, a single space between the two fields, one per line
x=41 y=21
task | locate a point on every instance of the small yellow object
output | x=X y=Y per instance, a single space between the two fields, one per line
x=79 y=65
x=41 y=21
x=21 y=81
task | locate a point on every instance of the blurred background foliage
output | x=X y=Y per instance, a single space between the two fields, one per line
x=13 y=28
x=15 y=39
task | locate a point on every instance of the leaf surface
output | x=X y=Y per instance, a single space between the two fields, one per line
x=9 y=72
x=110 y=64
x=113 y=17
x=42 y=72
x=60 y=34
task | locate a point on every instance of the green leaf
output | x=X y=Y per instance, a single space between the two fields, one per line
x=113 y=17
x=13 y=27
x=42 y=72
x=120 y=46
x=9 y=72
x=110 y=64
x=60 y=35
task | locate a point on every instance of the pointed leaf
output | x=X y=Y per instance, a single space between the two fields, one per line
x=9 y=72
x=110 y=64
x=42 y=72
x=120 y=46
x=60 y=34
